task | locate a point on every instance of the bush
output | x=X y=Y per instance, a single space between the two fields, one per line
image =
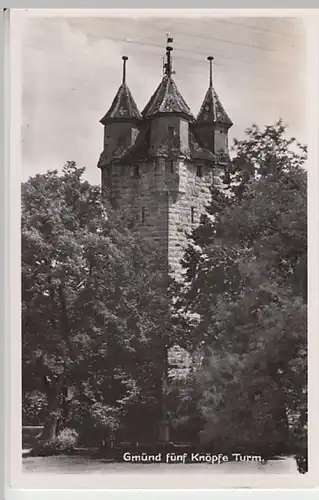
x=299 y=437
x=302 y=462
x=63 y=444
x=30 y=435
x=34 y=408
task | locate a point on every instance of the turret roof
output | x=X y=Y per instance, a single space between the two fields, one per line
x=212 y=110
x=123 y=106
x=167 y=99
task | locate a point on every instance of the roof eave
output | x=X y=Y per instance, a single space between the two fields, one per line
x=128 y=119
x=224 y=123
x=157 y=114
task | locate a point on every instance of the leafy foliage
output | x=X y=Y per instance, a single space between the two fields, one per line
x=98 y=315
x=95 y=302
x=246 y=285
x=63 y=444
x=34 y=406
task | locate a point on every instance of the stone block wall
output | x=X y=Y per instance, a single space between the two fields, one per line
x=117 y=135
x=162 y=199
x=185 y=209
x=139 y=193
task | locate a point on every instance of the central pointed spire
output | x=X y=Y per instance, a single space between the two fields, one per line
x=210 y=59
x=168 y=65
x=167 y=98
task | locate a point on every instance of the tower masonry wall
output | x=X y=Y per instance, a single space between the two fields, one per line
x=163 y=199
x=162 y=127
x=221 y=140
x=118 y=133
x=139 y=193
x=185 y=209
x=215 y=138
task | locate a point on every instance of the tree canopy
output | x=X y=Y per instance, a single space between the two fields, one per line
x=246 y=283
x=95 y=301
x=100 y=313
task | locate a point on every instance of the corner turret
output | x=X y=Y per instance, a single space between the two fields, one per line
x=212 y=123
x=121 y=123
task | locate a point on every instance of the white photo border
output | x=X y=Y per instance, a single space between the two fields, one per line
x=10 y=260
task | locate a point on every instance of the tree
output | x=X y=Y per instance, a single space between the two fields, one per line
x=246 y=285
x=94 y=303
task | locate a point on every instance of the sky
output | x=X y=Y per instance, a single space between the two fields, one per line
x=72 y=69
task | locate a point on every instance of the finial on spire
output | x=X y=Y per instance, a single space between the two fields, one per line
x=125 y=58
x=168 y=66
x=210 y=59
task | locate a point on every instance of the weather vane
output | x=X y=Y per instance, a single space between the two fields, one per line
x=167 y=66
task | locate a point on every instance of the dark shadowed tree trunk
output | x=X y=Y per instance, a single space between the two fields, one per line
x=164 y=426
x=52 y=389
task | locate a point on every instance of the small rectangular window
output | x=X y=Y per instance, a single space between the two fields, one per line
x=143 y=215
x=192 y=214
x=199 y=171
x=136 y=171
x=171 y=132
x=171 y=166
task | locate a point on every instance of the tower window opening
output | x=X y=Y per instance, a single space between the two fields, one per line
x=199 y=171
x=171 y=132
x=192 y=214
x=136 y=171
x=143 y=215
x=171 y=164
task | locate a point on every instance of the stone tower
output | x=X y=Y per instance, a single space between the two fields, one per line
x=157 y=166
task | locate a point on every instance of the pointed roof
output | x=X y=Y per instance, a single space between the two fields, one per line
x=123 y=106
x=212 y=110
x=167 y=98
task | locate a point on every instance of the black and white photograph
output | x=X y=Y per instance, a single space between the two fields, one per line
x=163 y=246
